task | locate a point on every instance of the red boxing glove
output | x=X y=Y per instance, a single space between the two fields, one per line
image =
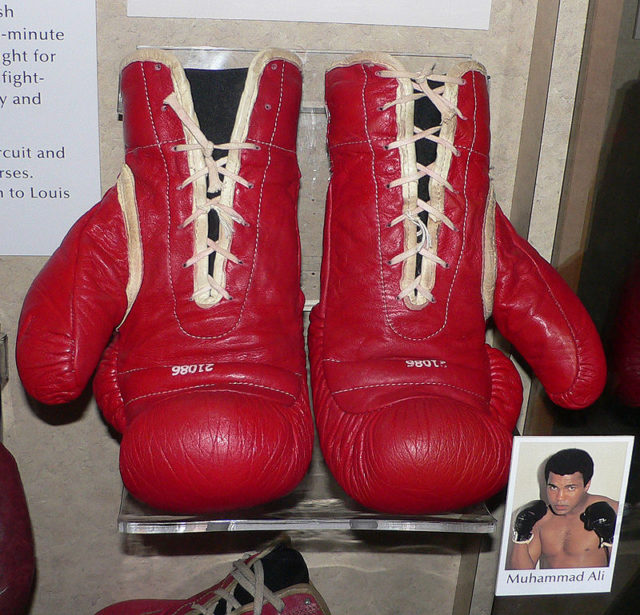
x=415 y=412
x=17 y=556
x=188 y=273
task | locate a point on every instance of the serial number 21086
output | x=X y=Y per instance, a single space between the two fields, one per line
x=183 y=370
x=425 y=363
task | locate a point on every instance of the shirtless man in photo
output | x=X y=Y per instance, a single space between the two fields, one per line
x=575 y=530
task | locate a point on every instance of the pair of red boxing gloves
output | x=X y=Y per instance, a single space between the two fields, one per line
x=181 y=291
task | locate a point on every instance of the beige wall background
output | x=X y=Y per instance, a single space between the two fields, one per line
x=69 y=459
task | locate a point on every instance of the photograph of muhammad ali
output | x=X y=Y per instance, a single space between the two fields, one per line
x=563 y=514
x=570 y=527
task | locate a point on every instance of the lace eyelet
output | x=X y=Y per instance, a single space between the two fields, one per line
x=267 y=107
x=387 y=186
x=381 y=108
x=158 y=66
x=257 y=148
x=464 y=82
x=251 y=186
x=164 y=107
x=174 y=148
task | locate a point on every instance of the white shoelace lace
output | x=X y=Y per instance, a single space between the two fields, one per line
x=447 y=109
x=250 y=580
x=214 y=170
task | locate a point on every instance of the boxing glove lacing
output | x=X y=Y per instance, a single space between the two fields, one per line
x=425 y=242
x=214 y=170
x=252 y=581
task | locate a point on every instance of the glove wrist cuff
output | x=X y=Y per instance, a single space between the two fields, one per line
x=519 y=540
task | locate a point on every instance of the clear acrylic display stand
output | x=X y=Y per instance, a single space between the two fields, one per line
x=318 y=504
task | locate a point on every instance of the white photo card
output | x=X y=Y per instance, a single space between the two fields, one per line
x=561 y=532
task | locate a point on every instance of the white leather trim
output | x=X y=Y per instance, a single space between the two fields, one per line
x=195 y=157
x=127 y=198
x=489 y=254
x=239 y=135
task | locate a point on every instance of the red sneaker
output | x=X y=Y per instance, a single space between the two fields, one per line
x=274 y=581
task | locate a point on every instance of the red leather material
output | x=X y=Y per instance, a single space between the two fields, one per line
x=73 y=305
x=506 y=389
x=414 y=412
x=211 y=399
x=243 y=447
x=382 y=381
x=537 y=311
x=17 y=559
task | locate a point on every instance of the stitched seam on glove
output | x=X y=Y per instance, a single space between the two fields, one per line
x=127 y=200
x=396 y=384
x=489 y=254
x=578 y=373
x=215 y=387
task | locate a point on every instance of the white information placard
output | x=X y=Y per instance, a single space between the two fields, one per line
x=564 y=509
x=468 y=14
x=49 y=149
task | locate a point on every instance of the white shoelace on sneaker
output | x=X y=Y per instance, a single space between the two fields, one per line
x=214 y=170
x=253 y=582
x=424 y=243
